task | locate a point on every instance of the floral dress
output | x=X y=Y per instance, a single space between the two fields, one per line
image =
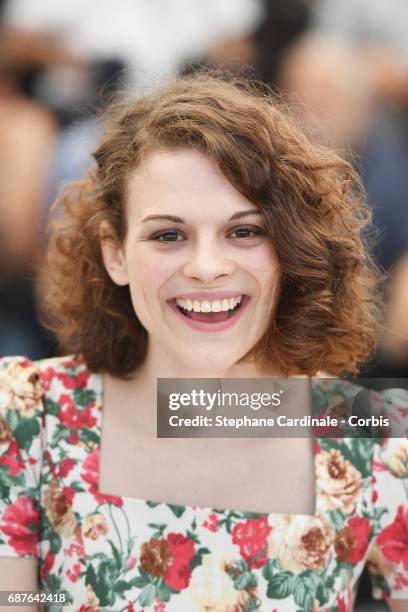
x=127 y=554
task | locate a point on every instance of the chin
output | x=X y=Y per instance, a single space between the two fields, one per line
x=208 y=359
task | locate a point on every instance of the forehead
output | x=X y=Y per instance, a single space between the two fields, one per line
x=184 y=181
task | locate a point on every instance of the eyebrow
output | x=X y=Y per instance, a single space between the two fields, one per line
x=175 y=219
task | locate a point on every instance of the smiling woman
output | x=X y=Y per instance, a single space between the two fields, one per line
x=210 y=240
x=213 y=241
x=211 y=145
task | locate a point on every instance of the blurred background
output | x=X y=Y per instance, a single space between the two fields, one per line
x=342 y=65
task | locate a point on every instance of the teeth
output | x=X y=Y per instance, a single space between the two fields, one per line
x=209 y=306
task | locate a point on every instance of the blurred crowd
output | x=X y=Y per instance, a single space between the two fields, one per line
x=341 y=64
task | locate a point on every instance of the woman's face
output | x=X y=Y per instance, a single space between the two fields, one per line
x=202 y=271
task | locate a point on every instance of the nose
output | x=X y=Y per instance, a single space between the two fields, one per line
x=208 y=261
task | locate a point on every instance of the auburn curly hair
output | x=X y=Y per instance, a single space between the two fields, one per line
x=313 y=204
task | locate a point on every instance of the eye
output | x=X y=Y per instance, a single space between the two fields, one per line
x=248 y=232
x=169 y=236
x=243 y=232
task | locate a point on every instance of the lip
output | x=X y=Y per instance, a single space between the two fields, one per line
x=212 y=327
x=207 y=295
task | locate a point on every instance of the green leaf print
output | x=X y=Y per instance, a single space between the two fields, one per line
x=105 y=584
x=90 y=577
x=147 y=595
x=55 y=542
x=198 y=557
x=53 y=583
x=6 y=480
x=323 y=594
x=304 y=590
x=361 y=449
x=193 y=536
x=152 y=504
x=26 y=431
x=116 y=555
x=159 y=529
x=164 y=591
x=177 y=510
x=12 y=419
x=121 y=586
x=252 y=604
x=83 y=397
x=337 y=518
x=51 y=407
x=4 y=491
x=246 y=580
x=268 y=569
x=142 y=580
x=378 y=512
x=281 y=585
x=77 y=486
x=87 y=435
x=329 y=581
x=60 y=433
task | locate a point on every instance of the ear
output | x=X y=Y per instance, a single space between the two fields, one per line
x=113 y=255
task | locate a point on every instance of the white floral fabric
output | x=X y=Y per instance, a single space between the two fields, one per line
x=126 y=554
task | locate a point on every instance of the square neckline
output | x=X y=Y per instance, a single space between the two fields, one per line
x=139 y=501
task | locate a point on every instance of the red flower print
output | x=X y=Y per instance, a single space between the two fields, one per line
x=73 y=419
x=91 y=474
x=159 y=605
x=51 y=465
x=360 y=527
x=47 y=564
x=69 y=493
x=74 y=382
x=400 y=581
x=379 y=467
x=130 y=562
x=76 y=548
x=22 y=522
x=212 y=523
x=130 y=607
x=73 y=438
x=74 y=573
x=251 y=539
x=341 y=604
x=177 y=576
x=65 y=467
x=13 y=459
x=182 y=550
x=394 y=538
x=46 y=377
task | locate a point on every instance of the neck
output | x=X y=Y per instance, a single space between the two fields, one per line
x=159 y=364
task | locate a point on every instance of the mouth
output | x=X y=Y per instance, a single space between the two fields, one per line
x=213 y=315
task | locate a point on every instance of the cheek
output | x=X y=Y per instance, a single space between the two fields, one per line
x=263 y=265
x=265 y=268
x=149 y=274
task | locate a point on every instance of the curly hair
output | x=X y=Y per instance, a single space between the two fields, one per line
x=311 y=199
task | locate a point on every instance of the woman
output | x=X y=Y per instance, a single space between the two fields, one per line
x=204 y=197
